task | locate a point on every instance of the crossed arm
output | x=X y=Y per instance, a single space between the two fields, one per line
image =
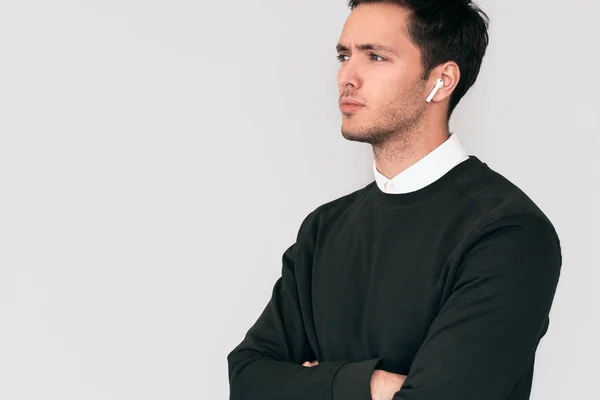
x=478 y=346
x=383 y=384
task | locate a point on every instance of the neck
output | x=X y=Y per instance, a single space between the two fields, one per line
x=406 y=147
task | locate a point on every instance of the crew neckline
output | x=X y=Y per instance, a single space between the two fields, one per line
x=432 y=190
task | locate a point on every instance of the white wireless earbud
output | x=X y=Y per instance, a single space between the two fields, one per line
x=438 y=85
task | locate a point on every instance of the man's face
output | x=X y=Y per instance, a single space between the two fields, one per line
x=386 y=81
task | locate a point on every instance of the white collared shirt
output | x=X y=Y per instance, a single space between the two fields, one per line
x=425 y=171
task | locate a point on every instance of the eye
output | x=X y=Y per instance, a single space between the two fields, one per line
x=375 y=55
x=341 y=57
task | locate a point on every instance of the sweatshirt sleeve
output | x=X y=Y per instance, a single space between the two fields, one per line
x=267 y=364
x=484 y=337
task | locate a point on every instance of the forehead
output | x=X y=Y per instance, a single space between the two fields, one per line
x=377 y=22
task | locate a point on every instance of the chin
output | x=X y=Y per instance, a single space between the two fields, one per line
x=355 y=134
x=365 y=133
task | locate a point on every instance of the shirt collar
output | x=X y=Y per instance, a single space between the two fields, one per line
x=425 y=171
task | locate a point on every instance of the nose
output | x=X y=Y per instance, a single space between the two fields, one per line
x=348 y=75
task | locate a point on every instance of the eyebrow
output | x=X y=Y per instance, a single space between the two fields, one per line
x=367 y=46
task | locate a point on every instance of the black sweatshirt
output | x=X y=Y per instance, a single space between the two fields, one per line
x=451 y=285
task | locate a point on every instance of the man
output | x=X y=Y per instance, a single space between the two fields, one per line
x=435 y=281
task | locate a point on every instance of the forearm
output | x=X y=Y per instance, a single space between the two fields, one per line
x=253 y=376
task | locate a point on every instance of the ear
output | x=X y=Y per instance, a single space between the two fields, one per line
x=450 y=74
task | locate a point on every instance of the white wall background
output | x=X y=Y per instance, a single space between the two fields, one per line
x=156 y=159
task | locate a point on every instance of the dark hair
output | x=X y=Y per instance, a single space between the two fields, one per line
x=446 y=30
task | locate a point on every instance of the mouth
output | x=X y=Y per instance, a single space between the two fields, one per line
x=350 y=107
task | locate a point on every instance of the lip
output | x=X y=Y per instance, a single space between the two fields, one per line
x=348 y=100
x=348 y=107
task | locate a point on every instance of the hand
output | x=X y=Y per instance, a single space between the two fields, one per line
x=310 y=364
x=385 y=384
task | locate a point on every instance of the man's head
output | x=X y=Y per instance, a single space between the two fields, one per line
x=393 y=51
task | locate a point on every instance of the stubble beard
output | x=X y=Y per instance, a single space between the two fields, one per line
x=394 y=120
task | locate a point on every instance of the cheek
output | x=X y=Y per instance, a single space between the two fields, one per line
x=404 y=93
x=387 y=87
x=383 y=94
